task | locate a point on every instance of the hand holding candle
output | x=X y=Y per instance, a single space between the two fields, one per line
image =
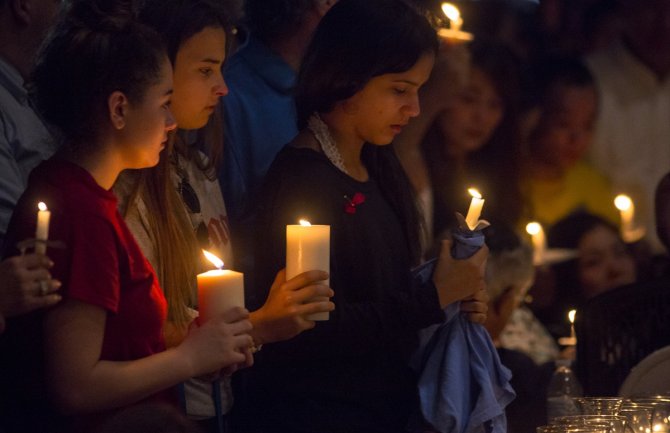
x=42 y=230
x=307 y=249
x=219 y=290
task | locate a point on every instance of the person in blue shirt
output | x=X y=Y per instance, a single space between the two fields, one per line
x=24 y=138
x=259 y=110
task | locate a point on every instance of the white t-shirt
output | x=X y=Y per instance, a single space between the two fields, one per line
x=632 y=142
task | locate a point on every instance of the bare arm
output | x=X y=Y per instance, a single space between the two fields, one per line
x=81 y=382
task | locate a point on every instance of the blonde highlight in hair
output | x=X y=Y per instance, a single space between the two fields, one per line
x=175 y=244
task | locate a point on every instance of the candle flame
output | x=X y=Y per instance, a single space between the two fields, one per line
x=41 y=206
x=214 y=259
x=571 y=315
x=622 y=202
x=533 y=228
x=473 y=192
x=451 y=11
x=305 y=223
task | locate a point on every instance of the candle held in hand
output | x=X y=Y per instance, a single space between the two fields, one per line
x=475 y=209
x=308 y=249
x=42 y=231
x=219 y=290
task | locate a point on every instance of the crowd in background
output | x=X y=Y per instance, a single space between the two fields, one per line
x=156 y=129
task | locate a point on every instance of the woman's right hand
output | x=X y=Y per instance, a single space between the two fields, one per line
x=219 y=343
x=456 y=280
x=26 y=285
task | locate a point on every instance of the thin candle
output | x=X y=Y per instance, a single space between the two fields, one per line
x=571 y=318
x=627 y=212
x=42 y=230
x=453 y=33
x=475 y=209
x=534 y=229
x=454 y=15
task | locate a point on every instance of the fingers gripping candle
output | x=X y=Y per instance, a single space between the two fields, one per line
x=219 y=290
x=308 y=249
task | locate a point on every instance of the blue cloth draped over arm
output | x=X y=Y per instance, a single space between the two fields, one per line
x=463 y=387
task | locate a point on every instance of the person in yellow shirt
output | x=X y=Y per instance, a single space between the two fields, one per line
x=560 y=182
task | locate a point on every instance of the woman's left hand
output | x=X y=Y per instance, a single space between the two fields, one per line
x=476 y=306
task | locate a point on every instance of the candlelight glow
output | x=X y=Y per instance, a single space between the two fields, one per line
x=622 y=202
x=571 y=315
x=212 y=258
x=473 y=192
x=305 y=223
x=451 y=11
x=41 y=206
x=533 y=228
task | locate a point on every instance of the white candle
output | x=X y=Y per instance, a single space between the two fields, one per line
x=219 y=290
x=539 y=241
x=454 y=15
x=572 y=339
x=475 y=209
x=308 y=249
x=42 y=231
x=627 y=212
x=455 y=23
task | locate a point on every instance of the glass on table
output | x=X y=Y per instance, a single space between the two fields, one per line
x=613 y=423
x=660 y=418
x=660 y=411
x=572 y=428
x=599 y=405
x=638 y=416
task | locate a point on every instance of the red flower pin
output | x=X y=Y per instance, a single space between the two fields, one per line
x=350 y=205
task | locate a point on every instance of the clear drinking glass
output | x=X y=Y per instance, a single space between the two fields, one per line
x=638 y=416
x=599 y=405
x=613 y=423
x=571 y=428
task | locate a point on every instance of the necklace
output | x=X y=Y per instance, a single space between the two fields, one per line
x=320 y=130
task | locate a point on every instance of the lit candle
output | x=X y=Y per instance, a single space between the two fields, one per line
x=539 y=241
x=454 y=15
x=307 y=249
x=42 y=231
x=475 y=209
x=572 y=339
x=627 y=211
x=219 y=290
x=455 y=23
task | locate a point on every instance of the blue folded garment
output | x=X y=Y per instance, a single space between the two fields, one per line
x=463 y=387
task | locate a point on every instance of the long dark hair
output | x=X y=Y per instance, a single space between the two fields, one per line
x=356 y=41
x=97 y=47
